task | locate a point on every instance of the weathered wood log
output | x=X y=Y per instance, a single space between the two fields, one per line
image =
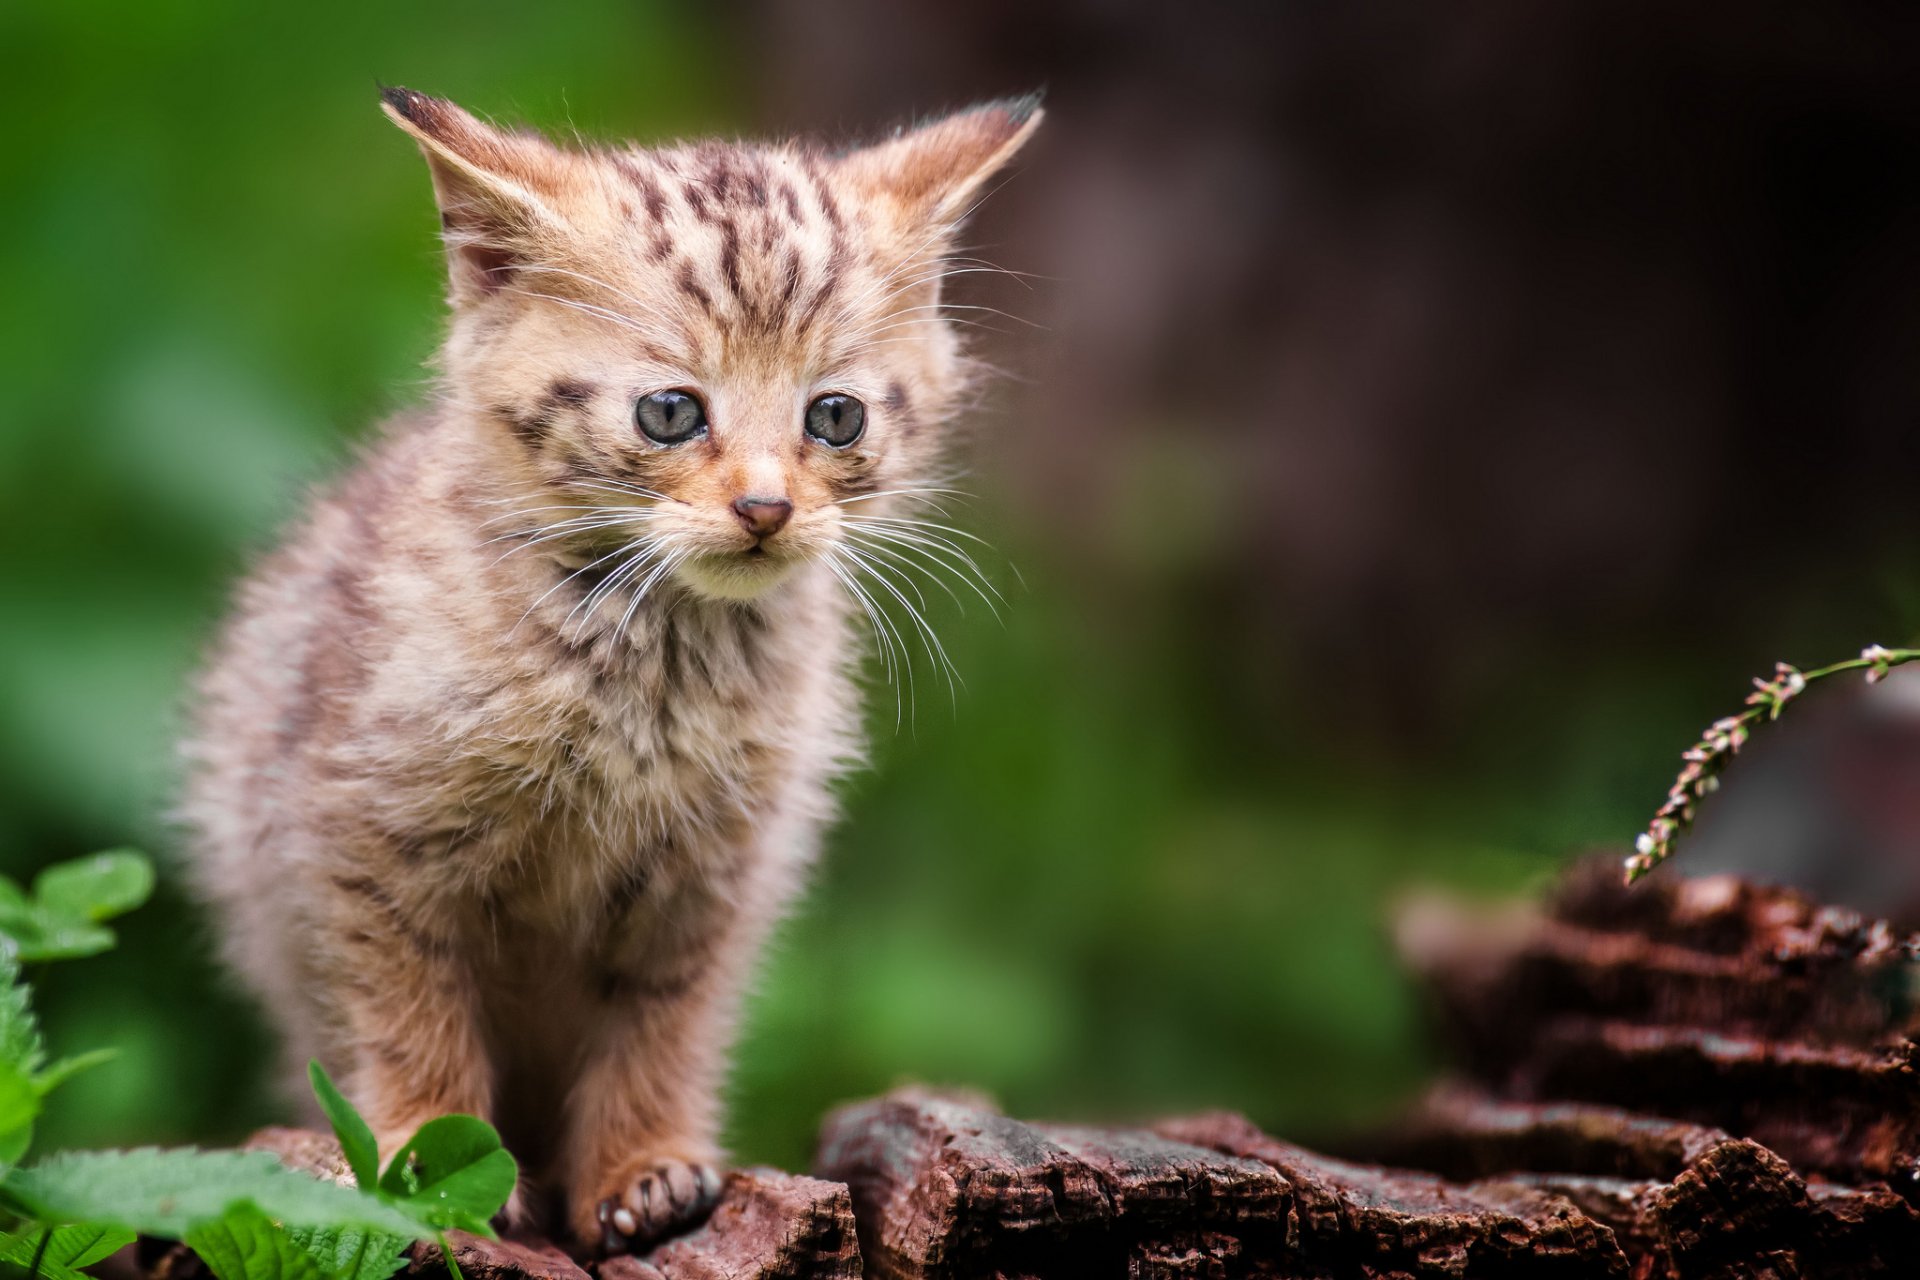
x=1682 y=1200
x=944 y=1188
x=950 y=1189
x=1740 y=1060
x=1711 y=1001
x=1363 y=1219
x=1717 y=954
x=768 y=1226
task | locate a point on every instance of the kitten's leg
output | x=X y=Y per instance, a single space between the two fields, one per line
x=642 y=1157
x=405 y=1004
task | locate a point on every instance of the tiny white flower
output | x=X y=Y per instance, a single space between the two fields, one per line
x=1644 y=844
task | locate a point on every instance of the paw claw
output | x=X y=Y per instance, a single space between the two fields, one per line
x=665 y=1199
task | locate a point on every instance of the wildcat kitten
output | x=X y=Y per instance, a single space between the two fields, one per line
x=513 y=752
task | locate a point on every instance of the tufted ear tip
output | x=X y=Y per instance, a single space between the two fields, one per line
x=401 y=102
x=1022 y=108
x=497 y=190
x=934 y=169
x=431 y=120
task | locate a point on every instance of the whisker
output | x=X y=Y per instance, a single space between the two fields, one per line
x=529 y=511
x=934 y=648
x=900 y=556
x=910 y=491
x=594 y=515
x=909 y=521
x=884 y=640
x=606 y=485
x=628 y=569
x=934 y=532
x=666 y=567
x=585 y=568
x=552 y=534
x=548 y=269
x=906 y=565
x=586 y=308
x=966 y=572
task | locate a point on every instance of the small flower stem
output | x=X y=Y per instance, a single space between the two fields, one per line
x=446 y=1252
x=1708 y=758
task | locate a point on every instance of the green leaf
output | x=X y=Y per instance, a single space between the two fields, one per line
x=61 y=919
x=244 y=1244
x=66 y=1068
x=40 y=937
x=20 y=1045
x=453 y=1173
x=55 y=939
x=347 y=1254
x=356 y=1139
x=95 y=888
x=19 y=1108
x=68 y=1249
x=167 y=1193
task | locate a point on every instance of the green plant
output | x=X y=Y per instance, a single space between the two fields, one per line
x=248 y=1216
x=1708 y=758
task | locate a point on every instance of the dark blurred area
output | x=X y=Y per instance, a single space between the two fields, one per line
x=1436 y=413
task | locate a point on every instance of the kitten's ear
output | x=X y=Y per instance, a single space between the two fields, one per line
x=935 y=171
x=498 y=192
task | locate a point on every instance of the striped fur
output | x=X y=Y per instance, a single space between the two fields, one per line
x=494 y=820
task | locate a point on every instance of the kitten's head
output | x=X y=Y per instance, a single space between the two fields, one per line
x=706 y=353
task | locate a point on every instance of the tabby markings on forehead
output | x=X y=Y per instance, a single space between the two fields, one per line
x=829 y=207
x=692 y=287
x=650 y=193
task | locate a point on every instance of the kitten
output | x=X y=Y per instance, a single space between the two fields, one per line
x=512 y=753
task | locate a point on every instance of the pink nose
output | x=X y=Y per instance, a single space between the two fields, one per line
x=763 y=517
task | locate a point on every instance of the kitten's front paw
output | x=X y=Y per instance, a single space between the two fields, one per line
x=662 y=1199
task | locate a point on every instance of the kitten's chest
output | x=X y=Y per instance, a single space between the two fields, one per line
x=686 y=718
x=647 y=764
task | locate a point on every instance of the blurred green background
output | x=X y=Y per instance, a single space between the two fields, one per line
x=1145 y=864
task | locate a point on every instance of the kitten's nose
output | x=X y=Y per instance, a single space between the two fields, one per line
x=763 y=517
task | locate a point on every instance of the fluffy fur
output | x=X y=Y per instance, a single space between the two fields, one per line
x=512 y=753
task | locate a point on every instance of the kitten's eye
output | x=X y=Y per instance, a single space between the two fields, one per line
x=669 y=417
x=836 y=420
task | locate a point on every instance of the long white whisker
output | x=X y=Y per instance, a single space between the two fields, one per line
x=648 y=548
x=604 y=485
x=529 y=511
x=913 y=490
x=966 y=572
x=884 y=641
x=935 y=532
x=665 y=567
x=902 y=556
x=934 y=648
x=930 y=526
x=586 y=308
x=594 y=515
x=553 y=533
x=585 y=568
x=545 y=269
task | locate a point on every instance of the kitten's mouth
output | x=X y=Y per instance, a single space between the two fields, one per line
x=737 y=575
